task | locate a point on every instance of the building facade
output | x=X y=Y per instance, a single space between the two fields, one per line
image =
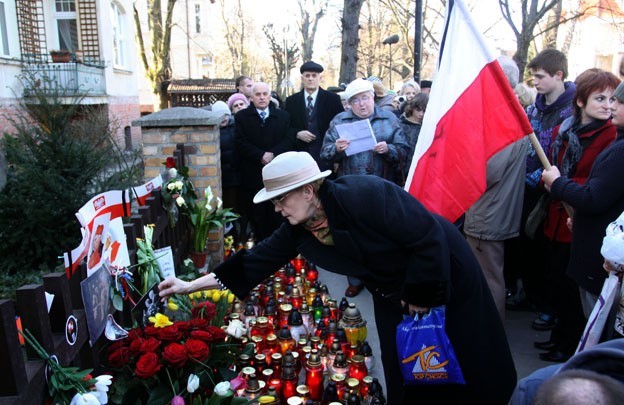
x=84 y=46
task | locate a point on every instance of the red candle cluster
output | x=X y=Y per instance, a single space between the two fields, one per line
x=305 y=344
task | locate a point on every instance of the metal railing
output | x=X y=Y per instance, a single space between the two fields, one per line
x=85 y=77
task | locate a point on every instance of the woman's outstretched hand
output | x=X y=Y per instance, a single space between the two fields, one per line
x=173 y=285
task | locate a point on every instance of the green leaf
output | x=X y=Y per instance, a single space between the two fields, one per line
x=118 y=302
x=160 y=395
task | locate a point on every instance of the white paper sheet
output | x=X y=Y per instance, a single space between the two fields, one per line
x=360 y=135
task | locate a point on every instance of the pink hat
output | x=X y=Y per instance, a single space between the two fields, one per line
x=237 y=96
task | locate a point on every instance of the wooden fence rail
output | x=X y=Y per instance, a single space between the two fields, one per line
x=23 y=379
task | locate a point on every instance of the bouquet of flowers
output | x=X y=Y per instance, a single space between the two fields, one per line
x=178 y=192
x=178 y=361
x=206 y=214
x=70 y=385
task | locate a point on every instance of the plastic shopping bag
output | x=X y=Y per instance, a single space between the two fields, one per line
x=600 y=313
x=425 y=352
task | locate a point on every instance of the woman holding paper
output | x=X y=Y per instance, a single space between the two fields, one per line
x=389 y=147
x=388 y=152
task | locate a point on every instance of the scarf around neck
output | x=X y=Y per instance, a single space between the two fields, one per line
x=570 y=131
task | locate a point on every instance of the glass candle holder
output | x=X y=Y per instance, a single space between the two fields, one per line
x=314 y=376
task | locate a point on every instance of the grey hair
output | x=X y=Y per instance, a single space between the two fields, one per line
x=510 y=68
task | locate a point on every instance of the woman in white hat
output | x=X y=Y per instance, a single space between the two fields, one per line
x=409 y=259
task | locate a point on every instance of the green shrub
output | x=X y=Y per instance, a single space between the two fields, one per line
x=61 y=155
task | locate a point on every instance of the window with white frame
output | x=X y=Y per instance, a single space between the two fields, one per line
x=66 y=24
x=197 y=19
x=8 y=29
x=119 y=35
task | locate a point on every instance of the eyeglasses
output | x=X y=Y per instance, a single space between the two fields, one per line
x=361 y=100
x=278 y=201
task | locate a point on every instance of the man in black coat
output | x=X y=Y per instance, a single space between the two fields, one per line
x=311 y=110
x=262 y=132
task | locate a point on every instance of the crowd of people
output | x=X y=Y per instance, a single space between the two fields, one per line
x=532 y=240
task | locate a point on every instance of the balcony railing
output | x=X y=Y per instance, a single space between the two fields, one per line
x=85 y=78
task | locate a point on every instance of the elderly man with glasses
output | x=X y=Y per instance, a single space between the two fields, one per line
x=387 y=156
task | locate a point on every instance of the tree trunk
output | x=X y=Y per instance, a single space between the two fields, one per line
x=550 y=37
x=350 y=39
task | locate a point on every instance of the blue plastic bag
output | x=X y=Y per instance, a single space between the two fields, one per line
x=425 y=352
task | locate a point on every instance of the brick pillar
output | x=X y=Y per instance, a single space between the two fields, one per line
x=198 y=129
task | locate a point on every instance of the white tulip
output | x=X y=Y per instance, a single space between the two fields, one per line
x=223 y=388
x=179 y=185
x=192 y=383
x=180 y=201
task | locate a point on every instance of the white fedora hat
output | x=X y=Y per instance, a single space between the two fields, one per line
x=287 y=172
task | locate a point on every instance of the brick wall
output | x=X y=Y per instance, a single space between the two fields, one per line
x=202 y=150
x=122 y=111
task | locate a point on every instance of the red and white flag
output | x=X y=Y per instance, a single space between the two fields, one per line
x=472 y=114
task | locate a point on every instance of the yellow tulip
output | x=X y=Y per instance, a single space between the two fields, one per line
x=216 y=296
x=230 y=298
x=172 y=305
x=160 y=321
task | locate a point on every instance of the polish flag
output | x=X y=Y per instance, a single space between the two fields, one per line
x=472 y=114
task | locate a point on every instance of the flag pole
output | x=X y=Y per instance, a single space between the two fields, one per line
x=544 y=160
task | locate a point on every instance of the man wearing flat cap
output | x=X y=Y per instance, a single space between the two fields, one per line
x=311 y=110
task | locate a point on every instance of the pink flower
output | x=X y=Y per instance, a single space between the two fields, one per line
x=177 y=400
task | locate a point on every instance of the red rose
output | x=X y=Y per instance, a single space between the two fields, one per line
x=206 y=310
x=184 y=326
x=135 y=333
x=119 y=357
x=148 y=365
x=202 y=335
x=116 y=345
x=135 y=346
x=149 y=345
x=169 y=333
x=175 y=354
x=151 y=330
x=170 y=163
x=197 y=349
x=218 y=334
x=198 y=323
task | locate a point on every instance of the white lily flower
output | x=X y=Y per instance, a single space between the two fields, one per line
x=193 y=383
x=84 y=399
x=180 y=201
x=173 y=173
x=209 y=195
x=236 y=328
x=223 y=388
x=219 y=203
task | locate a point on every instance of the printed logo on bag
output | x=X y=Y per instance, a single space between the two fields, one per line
x=99 y=203
x=429 y=364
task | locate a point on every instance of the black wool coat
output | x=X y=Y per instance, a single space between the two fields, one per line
x=327 y=105
x=596 y=203
x=253 y=139
x=400 y=251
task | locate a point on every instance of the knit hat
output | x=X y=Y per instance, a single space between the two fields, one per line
x=358 y=86
x=619 y=92
x=221 y=107
x=287 y=172
x=237 y=96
